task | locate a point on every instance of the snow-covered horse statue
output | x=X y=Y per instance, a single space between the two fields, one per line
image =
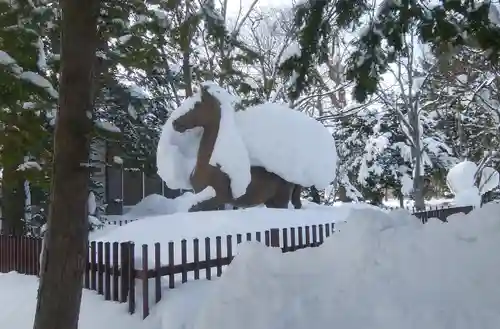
x=263 y=154
x=264 y=187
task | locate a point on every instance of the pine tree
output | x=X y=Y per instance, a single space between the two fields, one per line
x=28 y=98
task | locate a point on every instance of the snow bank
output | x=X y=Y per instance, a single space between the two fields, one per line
x=289 y=143
x=176 y=227
x=432 y=203
x=153 y=205
x=18 y=304
x=379 y=271
x=158 y=205
x=468 y=197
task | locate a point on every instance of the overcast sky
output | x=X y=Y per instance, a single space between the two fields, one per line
x=234 y=5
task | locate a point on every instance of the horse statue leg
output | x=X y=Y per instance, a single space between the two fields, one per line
x=297 y=190
x=218 y=180
x=281 y=198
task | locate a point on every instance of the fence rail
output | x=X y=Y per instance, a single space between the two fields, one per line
x=113 y=272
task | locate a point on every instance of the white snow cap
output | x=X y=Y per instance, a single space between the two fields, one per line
x=461 y=181
x=91 y=203
x=461 y=176
x=490 y=179
x=229 y=150
x=289 y=143
x=177 y=152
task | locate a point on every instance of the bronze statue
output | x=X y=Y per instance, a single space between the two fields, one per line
x=264 y=188
x=297 y=190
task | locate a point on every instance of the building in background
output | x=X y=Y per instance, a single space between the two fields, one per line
x=122 y=186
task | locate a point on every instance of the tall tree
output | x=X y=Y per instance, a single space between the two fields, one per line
x=445 y=25
x=25 y=96
x=60 y=291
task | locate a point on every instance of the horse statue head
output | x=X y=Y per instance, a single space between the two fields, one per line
x=205 y=113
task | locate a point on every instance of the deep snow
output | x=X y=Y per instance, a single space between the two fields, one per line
x=381 y=270
x=175 y=227
x=378 y=270
x=18 y=303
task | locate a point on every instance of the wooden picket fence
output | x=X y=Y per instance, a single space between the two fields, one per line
x=20 y=254
x=111 y=271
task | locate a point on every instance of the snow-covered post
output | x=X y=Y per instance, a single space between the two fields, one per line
x=468 y=190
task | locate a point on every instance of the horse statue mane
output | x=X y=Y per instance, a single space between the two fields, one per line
x=259 y=187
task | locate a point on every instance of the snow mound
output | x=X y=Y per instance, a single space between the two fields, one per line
x=289 y=143
x=461 y=176
x=153 y=205
x=468 y=197
x=157 y=205
x=461 y=180
x=379 y=271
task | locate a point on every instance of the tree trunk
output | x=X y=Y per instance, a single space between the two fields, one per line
x=60 y=290
x=418 y=179
x=342 y=194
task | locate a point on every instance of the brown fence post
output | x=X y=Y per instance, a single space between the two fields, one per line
x=145 y=281
x=275 y=237
x=131 y=277
x=124 y=271
x=157 y=273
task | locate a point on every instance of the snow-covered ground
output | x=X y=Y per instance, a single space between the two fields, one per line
x=380 y=270
x=18 y=303
x=409 y=204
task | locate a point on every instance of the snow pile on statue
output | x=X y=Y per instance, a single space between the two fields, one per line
x=469 y=183
x=259 y=155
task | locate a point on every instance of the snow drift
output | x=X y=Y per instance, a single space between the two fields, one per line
x=379 y=271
